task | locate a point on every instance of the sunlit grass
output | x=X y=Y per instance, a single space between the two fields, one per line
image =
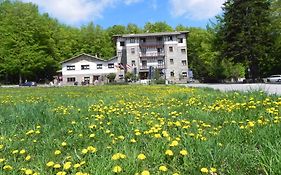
x=138 y=130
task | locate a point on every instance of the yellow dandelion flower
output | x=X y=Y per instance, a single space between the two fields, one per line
x=133 y=141
x=92 y=135
x=141 y=157
x=77 y=165
x=63 y=144
x=204 y=170
x=22 y=151
x=57 y=165
x=1 y=146
x=213 y=170
x=174 y=143
x=117 y=169
x=67 y=165
x=145 y=172
x=84 y=151
x=169 y=152
x=163 y=168
x=49 y=164
x=2 y=160
x=61 y=173
x=57 y=152
x=7 y=167
x=176 y=174
x=15 y=151
x=28 y=157
x=183 y=152
x=28 y=171
x=92 y=149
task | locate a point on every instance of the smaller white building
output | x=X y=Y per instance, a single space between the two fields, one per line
x=87 y=69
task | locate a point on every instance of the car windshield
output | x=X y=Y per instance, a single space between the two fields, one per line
x=275 y=76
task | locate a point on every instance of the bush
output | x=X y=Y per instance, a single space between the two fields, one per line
x=111 y=77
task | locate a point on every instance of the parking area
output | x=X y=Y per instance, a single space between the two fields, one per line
x=268 y=88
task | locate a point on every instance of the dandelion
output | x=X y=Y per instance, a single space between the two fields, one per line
x=141 y=157
x=77 y=165
x=133 y=141
x=50 y=164
x=204 y=170
x=7 y=167
x=163 y=168
x=67 y=165
x=61 y=173
x=213 y=170
x=183 y=152
x=174 y=143
x=169 y=152
x=84 y=151
x=145 y=172
x=57 y=152
x=28 y=171
x=63 y=144
x=2 y=160
x=28 y=157
x=22 y=151
x=15 y=151
x=117 y=169
x=57 y=165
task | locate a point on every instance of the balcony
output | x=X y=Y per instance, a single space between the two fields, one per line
x=152 y=44
x=152 y=54
x=143 y=68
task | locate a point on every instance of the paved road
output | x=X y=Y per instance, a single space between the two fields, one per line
x=269 y=88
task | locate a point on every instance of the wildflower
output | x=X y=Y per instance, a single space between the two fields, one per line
x=1 y=146
x=133 y=141
x=28 y=171
x=169 y=152
x=141 y=157
x=117 y=169
x=63 y=144
x=15 y=151
x=183 y=152
x=77 y=165
x=57 y=152
x=213 y=170
x=145 y=172
x=92 y=135
x=28 y=157
x=163 y=168
x=92 y=149
x=7 y=167
x=118 y=156
x=61 y=173
x=57 y=165
x=51 y=163
x=204 y=170
x=84 y=151
x=67 y=165
x=2 y=160
x=174 y=143
x=22 y=151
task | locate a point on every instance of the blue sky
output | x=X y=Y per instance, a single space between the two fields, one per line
x=195 y=13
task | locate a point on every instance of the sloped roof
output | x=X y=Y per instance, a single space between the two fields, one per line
x=88 y=55
x=152 y=34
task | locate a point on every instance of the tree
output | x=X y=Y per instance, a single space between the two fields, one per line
x=157 y=27
x=245 y=33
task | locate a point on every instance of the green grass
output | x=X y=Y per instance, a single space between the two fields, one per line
x=235 y=133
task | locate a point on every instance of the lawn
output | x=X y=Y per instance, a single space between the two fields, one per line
x=138 y=130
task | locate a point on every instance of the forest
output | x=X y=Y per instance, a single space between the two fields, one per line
x=244 y=41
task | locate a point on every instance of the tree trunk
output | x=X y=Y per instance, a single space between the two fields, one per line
x=20 y=78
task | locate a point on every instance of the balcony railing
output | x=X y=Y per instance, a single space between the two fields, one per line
x=147 y=67
x=152 y=54
x=152 y=44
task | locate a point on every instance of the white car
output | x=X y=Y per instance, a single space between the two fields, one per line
x=274 y=79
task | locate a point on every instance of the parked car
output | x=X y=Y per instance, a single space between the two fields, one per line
x=28 y=83
x=274 y=79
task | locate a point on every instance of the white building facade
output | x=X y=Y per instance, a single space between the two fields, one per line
x=87 y=69
x=144 y=54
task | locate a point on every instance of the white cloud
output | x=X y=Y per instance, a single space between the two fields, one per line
x=75 y=12
x=196 y=9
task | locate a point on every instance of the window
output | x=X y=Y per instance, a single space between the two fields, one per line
x=171 y=61
x=133 y=51
x=159 y=38
x=183 y=62
x=110 y=65
x=160 y=62
x=171 y=49
x=183 y=51
x=122 y=43
x=70 y=67
x=85 y=67
x=142 y=40
x=99 y=66
x=184 y=74
x=132 y=40
x=71 y=79
x=180 y=40
x=121 y=77
x=172 y=74
x=87 y=80
x=133 y=62
x=170 y=38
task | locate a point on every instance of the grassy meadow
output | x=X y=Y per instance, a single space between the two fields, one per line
x=138 y=130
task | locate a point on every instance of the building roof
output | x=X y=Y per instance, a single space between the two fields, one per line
x=88 y=55
x=152 y=34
